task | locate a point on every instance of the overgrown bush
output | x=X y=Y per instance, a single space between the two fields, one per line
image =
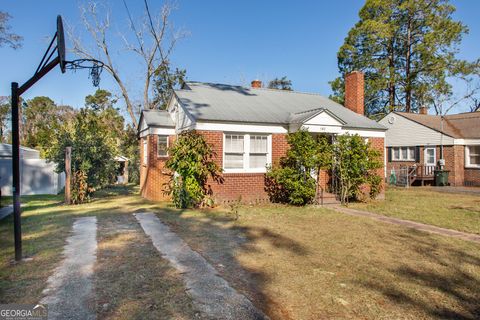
x=376 y=184
x=94 y=148
x=293 y=181
x=355 y=164
x=192 y=163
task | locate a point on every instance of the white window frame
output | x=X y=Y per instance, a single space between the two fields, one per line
x=145 y=151
x=168 y=144
x=467 y=157
x=246 y=153
x=425 y=156
x=400 y=157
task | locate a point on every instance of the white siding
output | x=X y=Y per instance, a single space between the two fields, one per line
x=405 y=132
x=323 y=119
x=181 y=118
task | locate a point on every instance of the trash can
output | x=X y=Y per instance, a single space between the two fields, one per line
x=441 y=178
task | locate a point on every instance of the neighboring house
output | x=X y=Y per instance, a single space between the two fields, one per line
x=416 y=143
x=247 y=128
x=37 y=176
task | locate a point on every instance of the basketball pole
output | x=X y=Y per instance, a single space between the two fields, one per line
x=16 y=93
x=45 y=66
x=17 y=225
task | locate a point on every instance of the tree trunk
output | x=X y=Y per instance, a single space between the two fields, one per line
x=408 y=84
x=391 y=84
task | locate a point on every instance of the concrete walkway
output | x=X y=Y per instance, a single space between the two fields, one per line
x=6 y=211
x=411 y=224
x=210 y=293
x=69 y=293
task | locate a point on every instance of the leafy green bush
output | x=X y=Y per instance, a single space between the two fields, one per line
x=94 y=147
x=192 y=163
x=355 y=163
x=375 y=182
x=293 y=180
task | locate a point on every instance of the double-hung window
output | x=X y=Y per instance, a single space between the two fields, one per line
x=162 y=146
x=246 y=152
x=234 y=151
x=403 y=153
x=145 y=151
x=472 y=156
x=258 y=151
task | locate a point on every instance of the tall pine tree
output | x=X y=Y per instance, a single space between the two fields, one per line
x=407 y=50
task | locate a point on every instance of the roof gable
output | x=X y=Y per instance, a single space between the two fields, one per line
x=155 y=118
x=405 y=132
x=460 y=126
x=325 y=118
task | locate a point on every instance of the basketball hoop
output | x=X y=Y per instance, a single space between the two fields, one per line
x=47 y=63
x=95 y=66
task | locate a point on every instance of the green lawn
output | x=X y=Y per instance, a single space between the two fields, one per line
x=310 y=263
x=454 y=211
x=293 y=263
x=127 y=268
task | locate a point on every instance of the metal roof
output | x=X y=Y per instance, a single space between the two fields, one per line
x=157 y=118
x=222 y=102
x=461 y=125
x=26 y=153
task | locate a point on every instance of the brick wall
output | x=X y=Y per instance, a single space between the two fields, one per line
x=472 y=177
x=250 y=186
x=454 y=162
x=279 y=147
x=153 y=175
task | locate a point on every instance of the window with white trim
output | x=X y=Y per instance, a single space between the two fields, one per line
x=258 y=151
x=145 y=151
x=246 y=152
x=162 y=146
x=403 y=153
x=234 y=151
x=472 y=156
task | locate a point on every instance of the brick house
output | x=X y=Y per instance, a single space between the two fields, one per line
x=417 y=142
x=247 y=128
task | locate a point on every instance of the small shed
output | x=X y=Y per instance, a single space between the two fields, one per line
x=122 y=171
x=25 y=153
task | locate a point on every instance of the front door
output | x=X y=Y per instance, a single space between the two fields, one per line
x=429 y=156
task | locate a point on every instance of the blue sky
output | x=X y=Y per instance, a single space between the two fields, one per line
x=229 y=42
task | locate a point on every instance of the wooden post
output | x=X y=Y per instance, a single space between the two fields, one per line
x=125 y=172
x=68 y=173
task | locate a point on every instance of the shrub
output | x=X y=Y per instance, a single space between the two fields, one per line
x=293 y=181
x=191 y=161
x=355 y=164
x=375 y=185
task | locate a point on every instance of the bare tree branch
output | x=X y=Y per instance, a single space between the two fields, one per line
x=155 y=41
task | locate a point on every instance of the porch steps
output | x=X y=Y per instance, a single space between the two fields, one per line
x=329 y=199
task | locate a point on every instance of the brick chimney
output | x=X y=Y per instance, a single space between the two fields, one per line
x=423 y=110
x=354 y=92
x=256 y=84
